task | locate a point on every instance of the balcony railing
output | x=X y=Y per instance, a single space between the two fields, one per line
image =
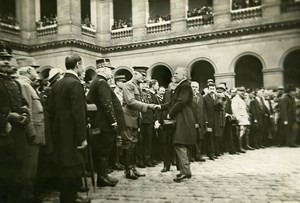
x=47 y=30
x=88 y=31
x=246 y=13
x=290 y=6
x=198 y=21
x=121 y=33
x=163 y=26
x=10 y=29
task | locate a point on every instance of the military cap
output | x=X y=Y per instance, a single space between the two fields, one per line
x=242 y=89
x=5 y=51
x=211 y=84
x=210 y=80
x=141 y=69
x=27 y=61
x=121 y=78
x=103 y=62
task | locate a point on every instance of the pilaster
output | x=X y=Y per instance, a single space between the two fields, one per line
x=228 y=78
x=139 y=19
x=104 y=15
x=178 y=15
x=273 y=77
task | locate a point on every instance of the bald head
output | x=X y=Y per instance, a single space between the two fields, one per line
x=180 y=74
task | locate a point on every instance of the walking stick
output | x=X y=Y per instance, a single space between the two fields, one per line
x=92 y=174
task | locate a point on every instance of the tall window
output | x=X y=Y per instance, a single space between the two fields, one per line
x=48 y=13
x=86 y=13
x=8 y=12
x=122 y=14
x=159 y=11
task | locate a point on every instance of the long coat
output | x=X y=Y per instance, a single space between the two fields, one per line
x=67 y=109
x=35 y=109
x=180 y=109
x=14 y=145
x=239 y=109
x=102 y=95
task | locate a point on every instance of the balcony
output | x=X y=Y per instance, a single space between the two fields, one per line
x=121 y=33
x=47 y=30
x=153 y=28
x=10 y=29
x=88 y=31
x=198 y=21
x=290 y=6
x=246 y=13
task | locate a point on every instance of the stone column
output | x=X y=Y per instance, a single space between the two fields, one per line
x=68 y=19
x=93 y=10
x=104 y=19
x=225 y=77
x=178 y=15
x=273 y=77
x=222 y=15
x=25 y=15
x=139 y=19
x=37 y=10
x=270 y=9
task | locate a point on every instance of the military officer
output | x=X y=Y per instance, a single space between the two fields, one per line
x=133 y=106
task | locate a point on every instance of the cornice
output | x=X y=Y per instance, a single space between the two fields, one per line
x=257 y=29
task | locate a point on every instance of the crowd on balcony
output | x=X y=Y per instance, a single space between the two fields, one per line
x=241 y=4
x=159 y=19
x=46 y=21
x=122 y=23
x=205 y=12
x=87 y=22
x=289 y=3
x=8 y=19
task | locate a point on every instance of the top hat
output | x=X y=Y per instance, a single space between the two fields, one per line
x=27 y=61
x=141 y=69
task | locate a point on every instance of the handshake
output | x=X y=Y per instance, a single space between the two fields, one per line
x=155 y=106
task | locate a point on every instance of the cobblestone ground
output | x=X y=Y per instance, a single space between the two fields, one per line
x=264 y=175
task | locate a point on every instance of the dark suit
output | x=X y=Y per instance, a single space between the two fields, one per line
x=209 y=105
x=180 y=108
x=67 y=109
x=288 y=113
x=257 y=111
x=200 y=119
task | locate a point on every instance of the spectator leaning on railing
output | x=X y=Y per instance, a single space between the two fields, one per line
x=122 y=23
x=46 y=21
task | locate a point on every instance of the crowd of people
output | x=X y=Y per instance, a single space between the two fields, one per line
x=46 y=21
x=159 y=19
x=54 y=134
x=8 y=19
x=205 y=12
x=241 y=4
x=122 y=23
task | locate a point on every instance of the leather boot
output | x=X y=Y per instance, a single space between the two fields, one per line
x=130 y=175
x=240 y=145
x=102 y=178
x=247 y=143
x=138 y=174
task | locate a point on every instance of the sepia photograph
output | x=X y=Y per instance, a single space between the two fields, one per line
x=149 y=101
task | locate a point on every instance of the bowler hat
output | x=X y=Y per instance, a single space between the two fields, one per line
x=27 y=61
x=242 y=89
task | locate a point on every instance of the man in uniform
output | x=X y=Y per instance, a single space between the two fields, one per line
x=13 y=142
x=133 y=106
x=67 y=109
x=28 y=76
x=102 y=95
